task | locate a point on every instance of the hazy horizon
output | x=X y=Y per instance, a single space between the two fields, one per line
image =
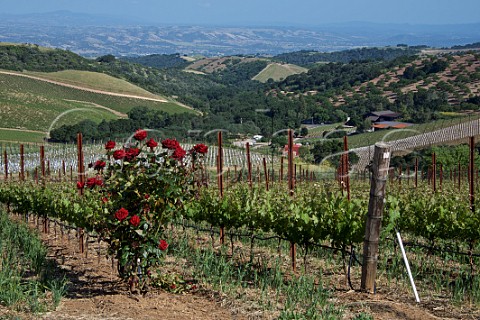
x=255 y=12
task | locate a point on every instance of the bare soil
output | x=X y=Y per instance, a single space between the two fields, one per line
x=95 y=292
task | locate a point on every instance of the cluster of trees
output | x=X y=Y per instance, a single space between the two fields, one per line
x=35 y=58
x=139 y=117
x=435 y=66
x=329 y=76
x=328 y=152
x=474 y=45
x=160 y=61
x=307 y=58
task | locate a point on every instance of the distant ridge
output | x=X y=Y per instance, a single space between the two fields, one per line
x=96 y=35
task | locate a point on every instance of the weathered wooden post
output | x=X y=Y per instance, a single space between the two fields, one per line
x=380 y=165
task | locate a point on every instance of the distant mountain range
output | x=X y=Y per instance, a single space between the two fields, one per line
x=96 y=35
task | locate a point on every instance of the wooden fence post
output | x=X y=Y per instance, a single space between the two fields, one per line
x=381 y=162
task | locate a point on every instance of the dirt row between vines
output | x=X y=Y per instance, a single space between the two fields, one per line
x=95 y=292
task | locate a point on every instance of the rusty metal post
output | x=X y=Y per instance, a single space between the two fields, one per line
x=472 y=173
x=416 y=172
x=434 y=171
x=346 y=177
x=265 y=172
x=280 y=177
x=249 y=165
x=220 y=180
x=22 y=163
x=81 y=179
x=459 y=176
x=441 y=176
x=291 y=188
x=5 y=163
x=42 y=161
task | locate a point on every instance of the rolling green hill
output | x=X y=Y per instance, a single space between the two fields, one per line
x=95 y=81
x=32 y=104
x=277 y=72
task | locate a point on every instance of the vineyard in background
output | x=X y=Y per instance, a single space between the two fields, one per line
x=258 y=218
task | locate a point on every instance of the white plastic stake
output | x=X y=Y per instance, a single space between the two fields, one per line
x=400 y=242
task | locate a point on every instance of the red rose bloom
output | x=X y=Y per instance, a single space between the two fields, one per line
x=121 y=214
x=135 y=221
x=119 y=154
x=131 y=153
x=163 y=245
x=110 y=145
x=200 y=148
x=152 y=143
x=99 y=165
x=91 y=182
x=140 y=135
x=99 y=182
x=80 y=185
x=104 y=199
x=170 y=144
x=179 y=153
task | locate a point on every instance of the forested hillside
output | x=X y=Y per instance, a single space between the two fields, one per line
x=160 y=61
x=420 y=88
x=307 y=58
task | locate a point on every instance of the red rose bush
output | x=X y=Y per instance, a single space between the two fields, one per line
x=142 y=186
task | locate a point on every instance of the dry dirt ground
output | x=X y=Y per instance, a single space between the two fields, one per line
x=95 y=293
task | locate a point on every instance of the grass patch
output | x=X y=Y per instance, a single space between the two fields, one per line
x=262 y=286
x=21 y=136
x=25 y=273
x=34 y=104
x=277 y=71
x=96 y=81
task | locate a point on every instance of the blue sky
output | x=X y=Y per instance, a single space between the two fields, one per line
x=265 y=12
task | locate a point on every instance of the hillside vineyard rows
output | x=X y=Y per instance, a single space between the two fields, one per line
x=318 y=218
x=262 y=233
